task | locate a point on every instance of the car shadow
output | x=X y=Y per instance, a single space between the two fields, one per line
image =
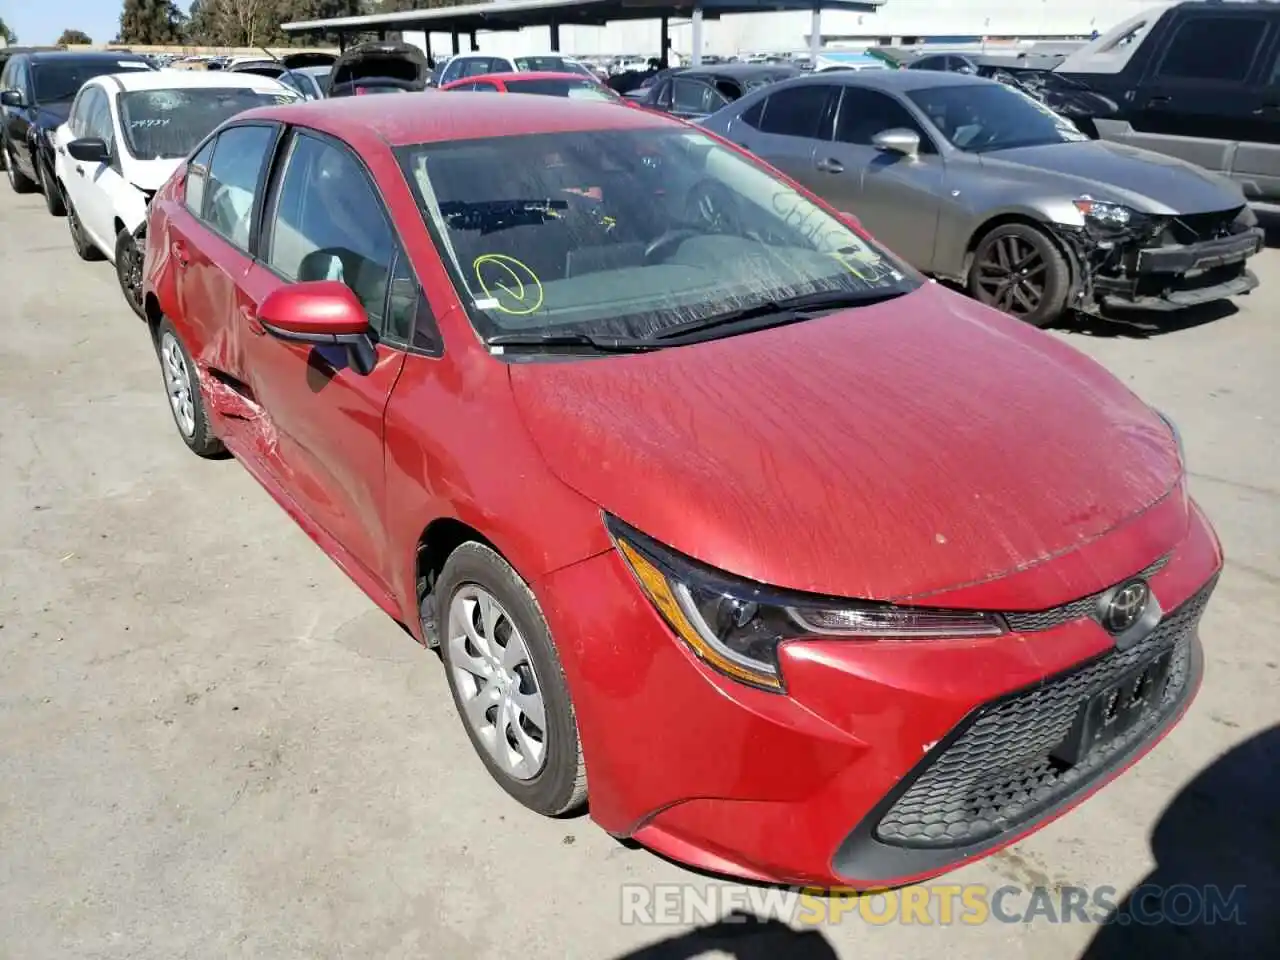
x=742 y=936
x=1270 y=222
x=1139 y=325
x=1217 y=873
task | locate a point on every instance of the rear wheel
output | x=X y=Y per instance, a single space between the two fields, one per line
x=18 y=181
x=129 y=271
x=507 y=682
x=182 y=387
x=1018 y=270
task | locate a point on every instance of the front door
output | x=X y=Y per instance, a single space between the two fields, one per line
x=1205 y=94
x=326 y=221
x=897 y=197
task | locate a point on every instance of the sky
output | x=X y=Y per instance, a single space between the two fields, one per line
x=42 y=21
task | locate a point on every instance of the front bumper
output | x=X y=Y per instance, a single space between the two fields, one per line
x=816 y=786
x=1171 y=276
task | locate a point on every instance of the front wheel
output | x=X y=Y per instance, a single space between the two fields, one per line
x=1018 y=270
x=129 y=270
x=19 y=182
x=507 y=682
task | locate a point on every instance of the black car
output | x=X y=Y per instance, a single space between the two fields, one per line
x=700 y=91
x=36 y=92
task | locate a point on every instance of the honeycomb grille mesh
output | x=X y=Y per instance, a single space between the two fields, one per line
x=999 y=773
x=1085 y=607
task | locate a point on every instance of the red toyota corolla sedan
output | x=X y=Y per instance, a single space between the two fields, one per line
x=807 y=569
x=574 y=86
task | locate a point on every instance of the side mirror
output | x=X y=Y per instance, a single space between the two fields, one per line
x=898 y=140
x=89 y=150
x=320 y=312
x=12 y=98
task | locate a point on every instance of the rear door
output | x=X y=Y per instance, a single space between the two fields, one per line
x=1204 y=93
x=785 y=129
x=325 y=220
x=211 y=247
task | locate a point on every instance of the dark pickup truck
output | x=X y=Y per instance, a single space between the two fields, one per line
x=1196 y=80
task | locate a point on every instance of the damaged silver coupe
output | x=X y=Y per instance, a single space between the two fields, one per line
x=975 y=182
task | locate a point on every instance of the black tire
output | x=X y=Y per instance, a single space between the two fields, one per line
x=53 y=200
x=128 y=260
x=1020 y=271
x=198 y=435
x=18 y=181
x=560 y=785
x=84 y=247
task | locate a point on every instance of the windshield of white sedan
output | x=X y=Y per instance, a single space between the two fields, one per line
x=627 y=233
x=982 y=117
x=167 y=124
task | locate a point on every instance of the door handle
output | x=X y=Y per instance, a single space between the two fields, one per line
x=1266 y=108
x=830 y=165
x=180 y=255
x=79 y=170
x=1160 y=101
x=250 y=314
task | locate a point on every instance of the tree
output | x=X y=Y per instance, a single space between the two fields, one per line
x=150 y=22
x=73 y=38
x=8 y=35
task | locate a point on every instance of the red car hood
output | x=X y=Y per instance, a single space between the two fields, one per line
x=883 y=452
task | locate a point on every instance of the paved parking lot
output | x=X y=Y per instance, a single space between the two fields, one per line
x=212 y=745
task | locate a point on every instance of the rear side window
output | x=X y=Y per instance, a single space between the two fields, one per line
x=797 y=111
x=234 y=177
x=197 y=176
x=694 y=96
x=1213 y=48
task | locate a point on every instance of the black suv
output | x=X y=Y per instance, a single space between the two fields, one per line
x=1196 y=80
x=36 y=91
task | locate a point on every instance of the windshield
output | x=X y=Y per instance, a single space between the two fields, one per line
x=61 y=80
x=583 y=89
x=167 y=124
x=550 y=65
x=991 y=116
x=629 y=232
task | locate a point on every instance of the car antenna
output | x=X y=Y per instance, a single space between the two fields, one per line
x=271 y=55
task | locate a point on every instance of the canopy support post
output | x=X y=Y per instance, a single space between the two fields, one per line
x=696 y=23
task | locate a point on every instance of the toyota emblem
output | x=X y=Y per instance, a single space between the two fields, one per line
x=1126 y=606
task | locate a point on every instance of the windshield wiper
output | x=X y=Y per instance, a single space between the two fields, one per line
x=571 y=341
x=786 y=310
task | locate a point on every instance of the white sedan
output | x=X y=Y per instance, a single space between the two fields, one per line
x=124 y=137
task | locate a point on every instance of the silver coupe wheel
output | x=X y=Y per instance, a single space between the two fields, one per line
x=499 y=690
x=177 y=378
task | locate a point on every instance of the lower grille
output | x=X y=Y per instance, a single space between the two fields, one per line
x=1000 y=771
x=1191 y=228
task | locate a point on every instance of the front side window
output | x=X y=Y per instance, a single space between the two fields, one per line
x=167 y=124
x=97 y=117
x=329 y=224
x=864 y=113
x=58 y=81
x=197 y=177
x=991 y=116
x=1213 y=48
x=234 y=176
x=628 y=233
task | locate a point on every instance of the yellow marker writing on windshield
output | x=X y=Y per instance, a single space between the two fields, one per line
x=509 y=283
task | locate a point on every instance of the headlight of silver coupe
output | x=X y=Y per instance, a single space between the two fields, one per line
x=736 y=625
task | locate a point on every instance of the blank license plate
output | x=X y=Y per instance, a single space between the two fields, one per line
x=1116 y=710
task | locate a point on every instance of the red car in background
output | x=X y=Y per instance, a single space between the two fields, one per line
x=810 y=570
x=571 y=85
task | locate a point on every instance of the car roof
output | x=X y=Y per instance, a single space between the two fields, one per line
x=525 y=75
x=740 y=70
x=78 y=56
x=431 y=117
x=185 y=79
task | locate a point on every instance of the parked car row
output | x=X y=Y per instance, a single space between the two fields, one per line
x=802 y=568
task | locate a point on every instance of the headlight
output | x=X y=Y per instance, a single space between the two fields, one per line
x=1110 y=216
x=736 y=625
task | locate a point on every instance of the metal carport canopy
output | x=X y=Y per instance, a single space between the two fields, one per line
x=515 y=14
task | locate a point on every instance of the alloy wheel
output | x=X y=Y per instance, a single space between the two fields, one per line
x=177 y=378
x=129 y=271
x=498 y=688
x=1011 y=275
